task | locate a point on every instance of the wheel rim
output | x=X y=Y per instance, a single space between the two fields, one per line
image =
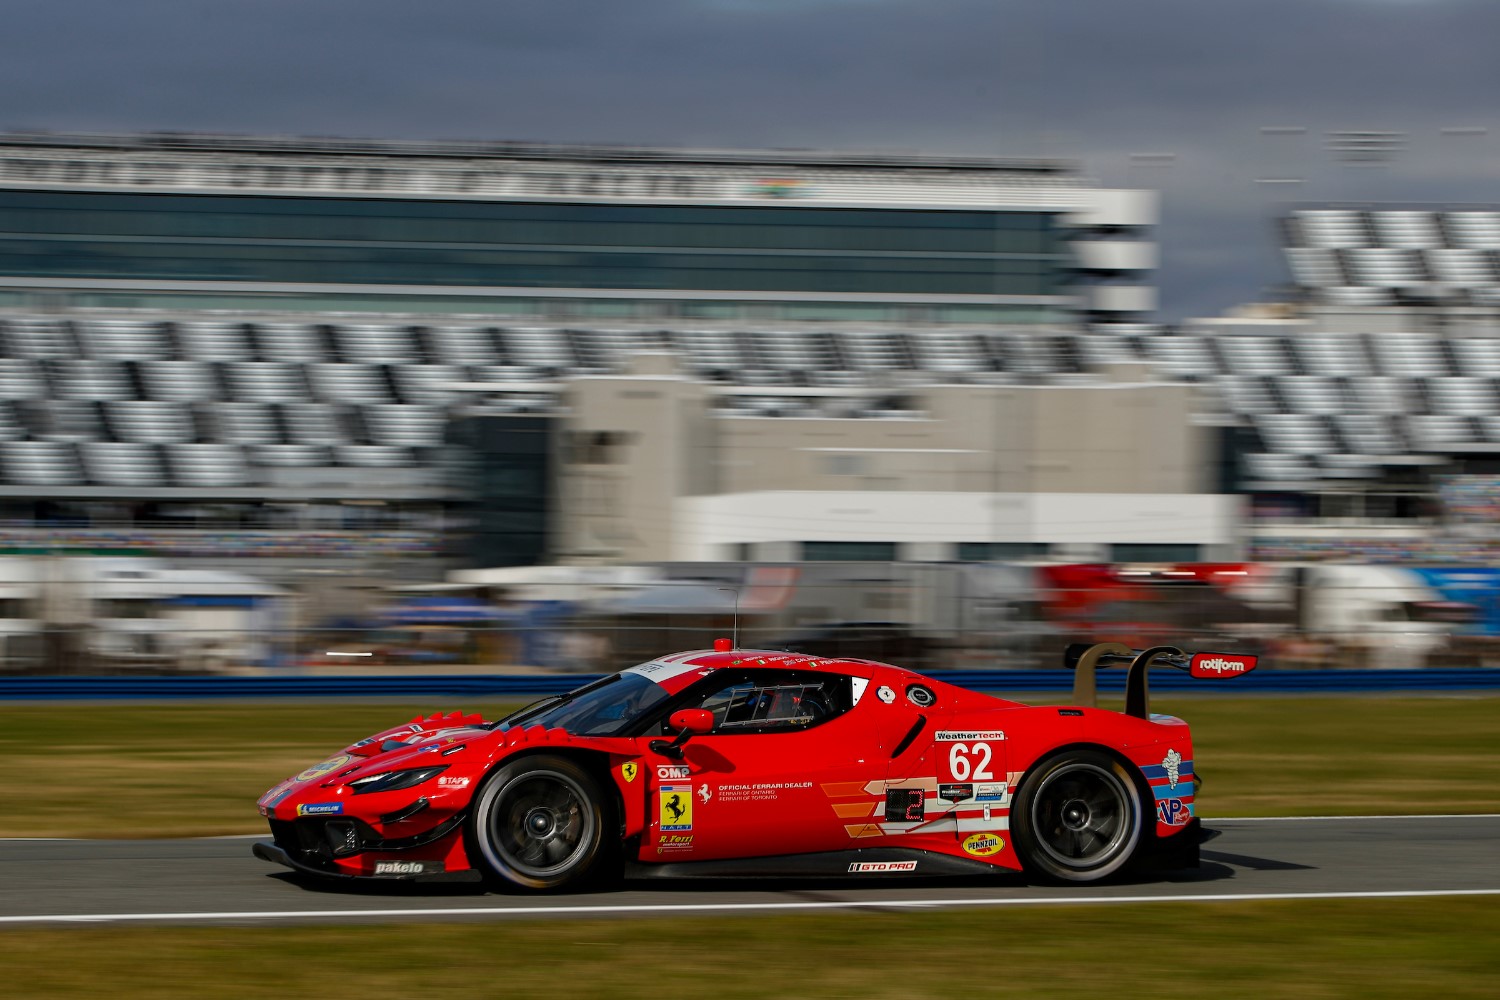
x=539 y=824
x=1082 y=815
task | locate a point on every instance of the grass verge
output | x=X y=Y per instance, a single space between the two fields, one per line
x=196 y=769
x=1321 y=948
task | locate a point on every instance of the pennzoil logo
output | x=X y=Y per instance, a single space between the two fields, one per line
x=629 y=770
x=982 y=845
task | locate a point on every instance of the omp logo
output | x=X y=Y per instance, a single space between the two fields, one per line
x=1220 y=665
x=883 y=866
x=982 y=845
x=670 y=772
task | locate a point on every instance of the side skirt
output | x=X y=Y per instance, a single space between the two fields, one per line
x=886 y=861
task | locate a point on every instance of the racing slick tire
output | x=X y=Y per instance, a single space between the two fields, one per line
x=1077 y=817
x=539 y=823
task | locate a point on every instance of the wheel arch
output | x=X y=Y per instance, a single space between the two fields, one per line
x=1137 y=776
x=595 y=762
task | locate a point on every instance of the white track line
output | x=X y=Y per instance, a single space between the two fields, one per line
x=667 y=908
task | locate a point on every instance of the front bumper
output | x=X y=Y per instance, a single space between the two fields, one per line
x=268 y=851
x=345 y=846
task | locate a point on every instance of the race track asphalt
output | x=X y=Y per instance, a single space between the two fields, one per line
x=218 y=881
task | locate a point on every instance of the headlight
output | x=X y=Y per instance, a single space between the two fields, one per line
x=390 y=781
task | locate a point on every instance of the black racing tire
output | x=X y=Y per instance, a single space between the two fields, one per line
x=540 y=823
x=1078 y=817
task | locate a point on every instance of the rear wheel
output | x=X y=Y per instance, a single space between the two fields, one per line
x=539 y=823
x=1077 y=817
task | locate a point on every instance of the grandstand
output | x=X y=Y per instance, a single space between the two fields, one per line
x=267 y=324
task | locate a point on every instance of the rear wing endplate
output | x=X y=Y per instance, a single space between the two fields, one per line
x=1085 y=659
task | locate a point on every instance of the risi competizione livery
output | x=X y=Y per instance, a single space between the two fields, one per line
x=738 y=762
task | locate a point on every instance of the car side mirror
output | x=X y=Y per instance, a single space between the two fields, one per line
x=695 y=721
x=688 y=722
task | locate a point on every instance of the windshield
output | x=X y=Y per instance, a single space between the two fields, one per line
x=603 y=708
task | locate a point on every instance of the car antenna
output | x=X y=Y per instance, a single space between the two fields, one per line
x=736 y=634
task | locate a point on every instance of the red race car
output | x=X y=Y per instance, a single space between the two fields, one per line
x=734 y=762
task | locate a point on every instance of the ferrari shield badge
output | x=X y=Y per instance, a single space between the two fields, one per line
x=628 y=771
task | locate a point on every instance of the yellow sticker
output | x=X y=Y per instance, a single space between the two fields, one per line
x=628 y=771
x=676 y=808
x=327 y=767
x=983 y=844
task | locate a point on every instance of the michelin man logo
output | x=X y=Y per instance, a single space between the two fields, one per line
x=1171 y=762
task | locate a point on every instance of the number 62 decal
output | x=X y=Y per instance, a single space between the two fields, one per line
x=969 y=762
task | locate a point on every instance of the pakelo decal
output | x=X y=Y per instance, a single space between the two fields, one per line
x=407 y=867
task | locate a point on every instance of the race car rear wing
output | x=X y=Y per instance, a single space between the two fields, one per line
x=1085 y=659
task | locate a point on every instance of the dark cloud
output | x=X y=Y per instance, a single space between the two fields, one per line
x=1095 y=79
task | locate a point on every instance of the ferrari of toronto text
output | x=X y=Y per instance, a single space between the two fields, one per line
x=729 y=762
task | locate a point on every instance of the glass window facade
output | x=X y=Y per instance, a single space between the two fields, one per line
x=849 y=551
x=166 y=237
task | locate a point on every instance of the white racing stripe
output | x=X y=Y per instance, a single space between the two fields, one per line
x=669 y=908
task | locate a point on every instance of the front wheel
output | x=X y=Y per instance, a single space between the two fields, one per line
x=1077 y=817
x=539 y=823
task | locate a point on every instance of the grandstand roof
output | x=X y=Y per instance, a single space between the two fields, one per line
x=207 y=142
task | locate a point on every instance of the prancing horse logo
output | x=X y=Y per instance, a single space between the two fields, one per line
x=674 y=806
x=628 y=771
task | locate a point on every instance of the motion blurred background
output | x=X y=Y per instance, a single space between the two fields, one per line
x=945 y=333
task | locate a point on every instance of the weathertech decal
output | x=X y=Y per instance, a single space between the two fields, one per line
x=883 y=866
x=951 y=736
x=956 y=792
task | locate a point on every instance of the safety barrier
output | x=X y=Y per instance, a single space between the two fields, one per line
x=503 y=686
